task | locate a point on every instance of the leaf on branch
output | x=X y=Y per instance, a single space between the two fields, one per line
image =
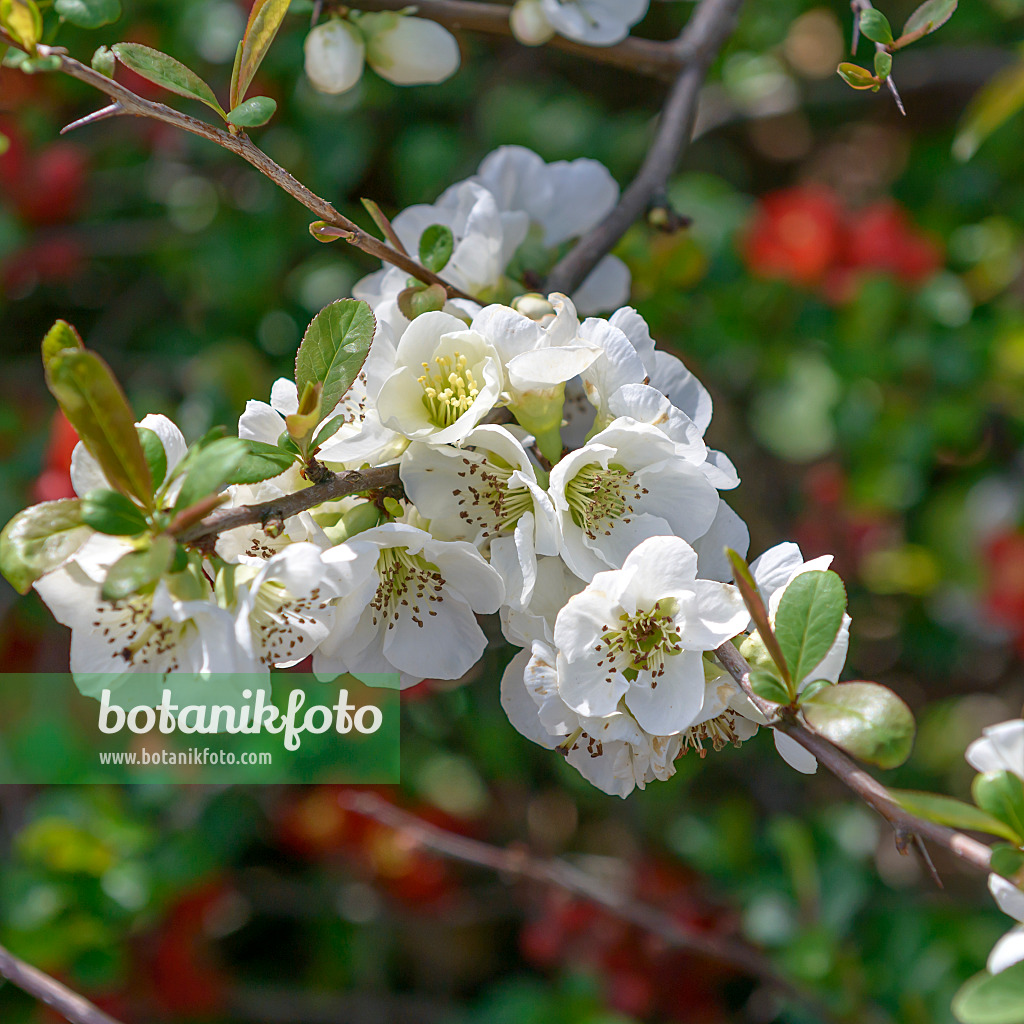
x=944 y=810
x=40 y=539
x=303 y=421
x=752 y=599
x=252 y=113
x=1007 y=860
x=155 y=453
x=808 y=619
x=996 y=103
x=59 y=337
x=165 y=71
x=992 y=998
x=436 y=246
x=875 y=26
x=89 y=13
x=1001 y=794
x=883 y=64
x=138 y=570
x=96 y=407
x=265 y=19
x=209 y=468
x=262 y=462
x=768 y=686
x=22 y=19
x=865 y=719
x=109 y=512
x=856 y=77
x=334 y=349
x=932 y=14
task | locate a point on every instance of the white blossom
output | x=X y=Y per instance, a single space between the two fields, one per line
x=523 y=623
x=408 y=51
x=1009 y=950
x=1000 y=749
x=593 y=22
x=334 y=52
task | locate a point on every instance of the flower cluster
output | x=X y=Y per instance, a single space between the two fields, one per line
x=552 y=468
x=593 y=22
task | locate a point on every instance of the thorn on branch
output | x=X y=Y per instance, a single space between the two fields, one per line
x=115 y=109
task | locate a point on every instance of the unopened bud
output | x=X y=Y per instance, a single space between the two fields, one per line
x=334 y=56
x=529 y=23
x=533 y=305
x=409 y=51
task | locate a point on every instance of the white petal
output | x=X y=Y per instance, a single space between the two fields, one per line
x=1008 y=897
x=795 y=755
x=520 y=707
x=676 y=701
x=1009 y=950
x=605 y=287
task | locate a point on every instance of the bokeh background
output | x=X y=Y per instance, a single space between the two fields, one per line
x=852 y=296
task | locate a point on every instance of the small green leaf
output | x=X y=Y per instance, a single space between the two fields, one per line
x=209 y=469
x=416 y=300
x=944 y=810
x=1002 y=795
x=155 y=453
x=327 y=431
x=89 y=13
x=265 y=19
x=166 y=72
x=334 y=349
x=103 y=61
x=768 y=686
x=58 y=338
x=22 y=19
x=262 y=462
x=752 y=599
x=932 y=14
x=303 y=421
x=992 y=998
x=252 y=112
x=875 y=26
x=996 y=102
x=883 y=64
x=39 y=539
x=436 y=246
x=109 y=512
x=856 y=77
x=96 y=407
x=1007 y=860
x=138 y=570
x=864 y=719
x=808 y=619
x=814 y=687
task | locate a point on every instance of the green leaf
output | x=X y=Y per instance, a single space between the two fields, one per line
x=96 y=407
x=932 y=14
x=155 y=453
x=808 y=619
x=768 y=686
x=944 y=810
x=436 y=246
x=22 y=19
x=752 y=599
x=252 y=112
x=813 y=687
x=994 y=104
x=166 y=72
x=327 y=431
x=265 y=19
x=303 y=421
x=1007 y=860
x=334 y=349
x=89 y=13
x=103 y=61
x=883 y=64
x=416 y=300
x=39 y=539
x=856 y=77
x=1002 y=795
x=864 y=719
x=109 y=512
x=262 y=461
x=59 y=337
x=875 y=26
x=138 y=570
x=992 y=998
x=210 y=468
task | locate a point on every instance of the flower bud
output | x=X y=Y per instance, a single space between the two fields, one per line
x=529 y=23
x=409 y=51
x=533 y=305
x=334 y=56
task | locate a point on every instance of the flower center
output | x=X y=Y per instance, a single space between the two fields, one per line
x=716 y=731
x=486 y=502
x=406 y=582
x=449 y=390
x=128 y=627
x=640 y=643
x=597 y=497
x=280 y=619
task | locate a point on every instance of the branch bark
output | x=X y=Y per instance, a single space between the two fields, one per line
x=970 y=851
x=696 y=48
x=73 y=1007
x=125 y=102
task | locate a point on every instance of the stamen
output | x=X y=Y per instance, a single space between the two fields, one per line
x=449 y=390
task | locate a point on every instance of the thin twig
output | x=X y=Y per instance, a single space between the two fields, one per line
x=239 y=144
x=697 y=47
x=869 y=789
x=659 y=59
x=73 y=1007
x=519 y=863
x=858 y=6
x=335 y=485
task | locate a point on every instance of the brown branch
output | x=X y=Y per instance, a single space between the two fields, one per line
x=870 y=790
x=125 y=102
x=68 y=1004
x=334 y=485
x=697 y=47
x=519 y=863
x=644 y=56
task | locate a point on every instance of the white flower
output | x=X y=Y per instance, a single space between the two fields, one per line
x=637 y=634
x=446 y=379
x=486 y=492
x=409 y=51
x=555 y=584
x=529 y=23
x=727 y=530
x=334 y=56
x=773 y=572
x=629 y=483
x=1009 y=950
x=594 y=22
x=612 y=752
x=413 y=610
x=1000 y=749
